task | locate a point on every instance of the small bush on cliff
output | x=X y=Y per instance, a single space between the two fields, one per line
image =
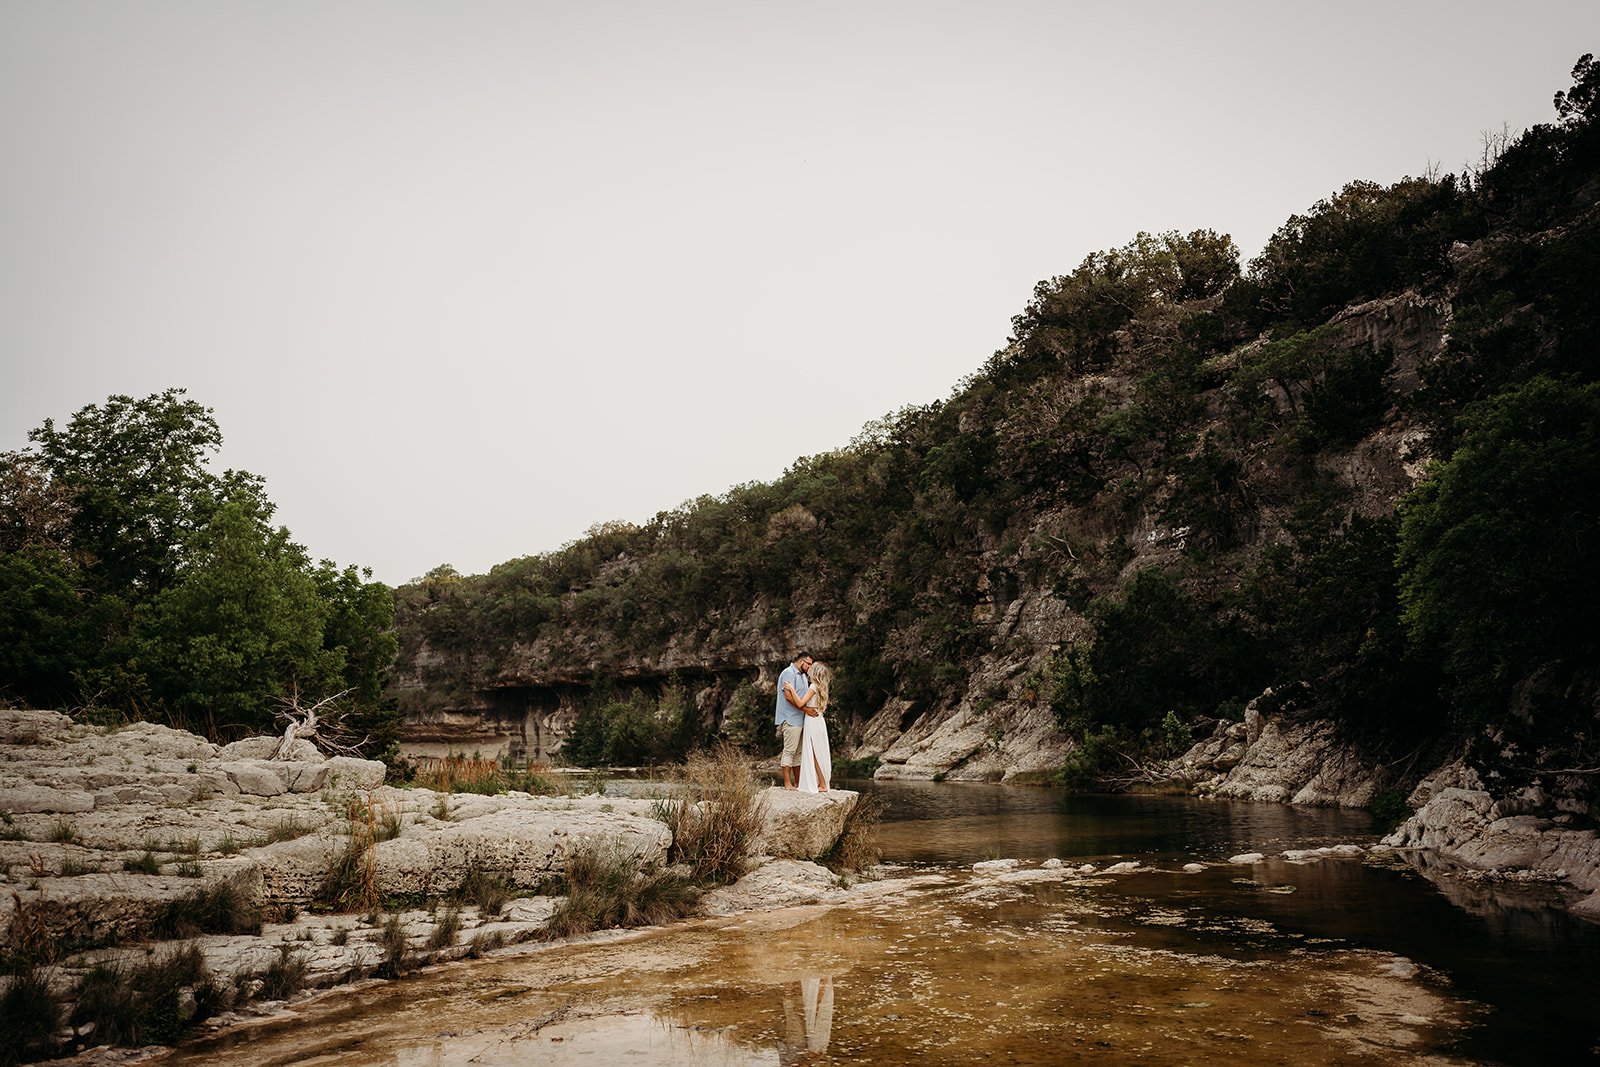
x=223 y=907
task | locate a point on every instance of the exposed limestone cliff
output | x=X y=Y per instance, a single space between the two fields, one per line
x=521 y=700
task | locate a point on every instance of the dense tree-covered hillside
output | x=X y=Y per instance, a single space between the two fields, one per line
x=1162 y=393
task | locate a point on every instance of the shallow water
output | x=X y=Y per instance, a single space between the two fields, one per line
x=1330 y=962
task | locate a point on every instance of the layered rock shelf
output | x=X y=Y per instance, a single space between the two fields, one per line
x=110 y=836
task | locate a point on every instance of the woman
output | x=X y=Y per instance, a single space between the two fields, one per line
x=816 y=761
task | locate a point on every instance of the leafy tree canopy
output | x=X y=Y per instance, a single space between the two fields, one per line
x=138 y=578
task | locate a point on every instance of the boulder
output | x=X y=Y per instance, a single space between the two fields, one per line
x=776 y=883
x=255 y=778
x=803 y=825
x=348 y=772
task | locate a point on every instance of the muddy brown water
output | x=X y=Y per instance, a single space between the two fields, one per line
x=1330 y=962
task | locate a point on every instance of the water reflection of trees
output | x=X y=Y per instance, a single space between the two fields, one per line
x=808 y=1019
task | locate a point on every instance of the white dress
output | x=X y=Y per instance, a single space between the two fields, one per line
x=814 y=751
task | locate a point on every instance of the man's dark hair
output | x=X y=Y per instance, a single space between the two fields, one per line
x=798 y=656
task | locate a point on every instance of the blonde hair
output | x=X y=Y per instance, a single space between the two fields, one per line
x=821 y=678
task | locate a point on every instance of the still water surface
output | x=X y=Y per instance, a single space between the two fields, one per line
x=1328 y=962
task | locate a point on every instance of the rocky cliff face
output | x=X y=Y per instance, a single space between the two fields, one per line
x=522 y=700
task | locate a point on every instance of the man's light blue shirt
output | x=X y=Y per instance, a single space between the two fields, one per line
x=787 y=712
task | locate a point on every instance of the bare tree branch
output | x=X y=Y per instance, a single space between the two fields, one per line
x=322 y=724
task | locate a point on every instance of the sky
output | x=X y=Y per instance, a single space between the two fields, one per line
x=462 y=280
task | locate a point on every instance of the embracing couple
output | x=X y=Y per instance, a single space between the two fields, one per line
x=802 y=698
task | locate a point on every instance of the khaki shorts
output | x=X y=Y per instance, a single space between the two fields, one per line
x=791 y=744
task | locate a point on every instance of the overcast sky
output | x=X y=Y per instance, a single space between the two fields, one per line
x=462 y=279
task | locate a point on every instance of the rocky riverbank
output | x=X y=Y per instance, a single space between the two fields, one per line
x=1456 y=823
x=124 y=845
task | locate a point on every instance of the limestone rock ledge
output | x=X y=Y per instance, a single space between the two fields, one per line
x=1469 y=827
x=104 y=831
x=1280 y=759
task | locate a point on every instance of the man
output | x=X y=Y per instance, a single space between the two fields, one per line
x=790 y=716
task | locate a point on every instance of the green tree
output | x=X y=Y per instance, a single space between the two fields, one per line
x=1498 y=551
x=241 y=624
x=132 y=575
x=136 y=474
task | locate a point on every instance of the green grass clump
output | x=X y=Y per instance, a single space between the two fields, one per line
x=145 y=864
x=29 y=1017
x=142 y=1005
x=223 y=907
x=610 y=887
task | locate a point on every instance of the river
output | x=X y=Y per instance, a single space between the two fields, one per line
x=1329 y=961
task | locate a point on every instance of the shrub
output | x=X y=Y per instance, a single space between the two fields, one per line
x=608 y=887
x=140 y=1005
x=717 y=820
x=1389 y=809
x=63 y=832
x=284 y=976
x=223 y=907
x=29 y=1017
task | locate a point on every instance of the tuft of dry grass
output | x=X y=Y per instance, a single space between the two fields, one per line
x=488 y=891
x=447 y=929
x=284 y=976
x=396 y=949
x=716 y=821
x=857 y=847
x=610 y=887
x=29 y=942
x=351 y=883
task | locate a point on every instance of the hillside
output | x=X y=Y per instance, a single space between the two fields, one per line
x=1362 y=469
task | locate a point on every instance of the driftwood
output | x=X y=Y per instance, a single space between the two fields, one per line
x=322 y=724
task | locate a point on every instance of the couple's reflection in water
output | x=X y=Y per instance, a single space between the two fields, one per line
x=808 y=1019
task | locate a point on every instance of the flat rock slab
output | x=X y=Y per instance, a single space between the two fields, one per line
x=25 y=799
x=778 y=883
